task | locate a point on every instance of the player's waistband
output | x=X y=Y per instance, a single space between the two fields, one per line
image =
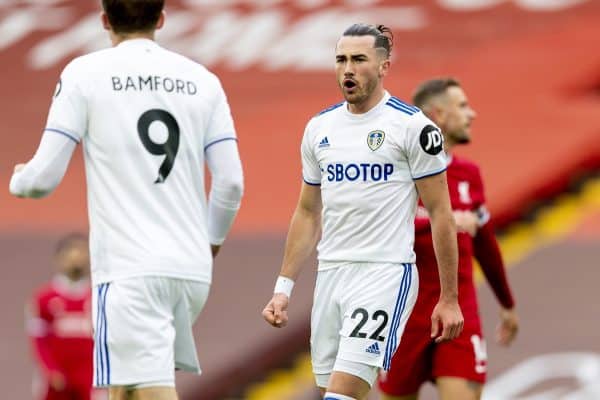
x=100 y=278
x=327 y=264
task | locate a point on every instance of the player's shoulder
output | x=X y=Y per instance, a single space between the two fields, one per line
x=79 y=66
x=466 y=169
x=324 y=116
x=184 y=61
x=44 y=293
x=87 y=65
x=407 y=116
x=402 y=109
x=466 y=164
x=187 y=64
x=329 y=110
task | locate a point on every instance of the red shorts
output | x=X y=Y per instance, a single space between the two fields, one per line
x=70 y=393
x=79 y=391
x=76 y=394
x=418 y=359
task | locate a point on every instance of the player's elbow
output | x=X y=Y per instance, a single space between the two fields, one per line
x=229 y=189
x=442 y=216
x=235 y=188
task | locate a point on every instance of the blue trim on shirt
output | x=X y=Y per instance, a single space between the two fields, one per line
x=310 y=183
x=400 y=102
x=219 y=140
x=399 y=107
x=415 y=178
x=331 y=108
x=70 y=136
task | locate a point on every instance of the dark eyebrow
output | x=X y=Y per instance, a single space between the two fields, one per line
x=353 y=56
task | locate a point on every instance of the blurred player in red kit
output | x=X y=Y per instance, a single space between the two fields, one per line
x=457 y=367
x=60 y=325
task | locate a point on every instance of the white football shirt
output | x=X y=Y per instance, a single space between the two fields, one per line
x=145 y=116
x=366 y=165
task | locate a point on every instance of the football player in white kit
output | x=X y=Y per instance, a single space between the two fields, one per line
x=148 y=120
x=365 y=161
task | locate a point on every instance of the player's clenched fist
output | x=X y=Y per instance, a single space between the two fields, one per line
x=449 y=316
x=275 y=313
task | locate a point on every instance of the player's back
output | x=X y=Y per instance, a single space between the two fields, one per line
x=150 y=114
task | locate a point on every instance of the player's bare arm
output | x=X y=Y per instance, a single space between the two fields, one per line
x=302 y=237
x=433 y=191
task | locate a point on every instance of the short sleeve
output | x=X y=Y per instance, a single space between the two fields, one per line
x=483 y=214
x=424 y=147
x=38 y=318
x=68 y=112
x=221 y=125
x=311 y=171
x=478 y=194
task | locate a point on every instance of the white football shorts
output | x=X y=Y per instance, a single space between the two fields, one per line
x=359 y=313
x=143 y=329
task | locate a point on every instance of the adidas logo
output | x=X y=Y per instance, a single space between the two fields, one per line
x=373 y=349
x=324 y=142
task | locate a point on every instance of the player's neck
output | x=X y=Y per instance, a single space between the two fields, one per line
x=72 y=275
x=68 y=285
x=368 y=103
x=116 y=39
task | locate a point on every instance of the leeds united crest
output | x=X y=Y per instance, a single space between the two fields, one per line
x=375 y=139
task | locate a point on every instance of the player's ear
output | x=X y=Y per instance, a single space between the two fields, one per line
x=105 y=22
x=433 y=111
x=439 y=113
x=384 y=67
x=161 y=20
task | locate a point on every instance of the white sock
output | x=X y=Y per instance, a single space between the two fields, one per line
x=335 y=396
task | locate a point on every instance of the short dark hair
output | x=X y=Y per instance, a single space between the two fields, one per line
x=384 y=39
x=431 y=88
x=69 y=240
x=129 y=16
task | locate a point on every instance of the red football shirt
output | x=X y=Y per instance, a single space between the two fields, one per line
x=466 y=194
x=60 y=327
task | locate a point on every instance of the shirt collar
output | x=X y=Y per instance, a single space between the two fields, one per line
x=137 y=42
x=372 y=111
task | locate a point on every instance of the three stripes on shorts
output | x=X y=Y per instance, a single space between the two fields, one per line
x=392 y=343
x=102 y=359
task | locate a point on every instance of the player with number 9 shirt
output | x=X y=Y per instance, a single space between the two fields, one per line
x=148 y=119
